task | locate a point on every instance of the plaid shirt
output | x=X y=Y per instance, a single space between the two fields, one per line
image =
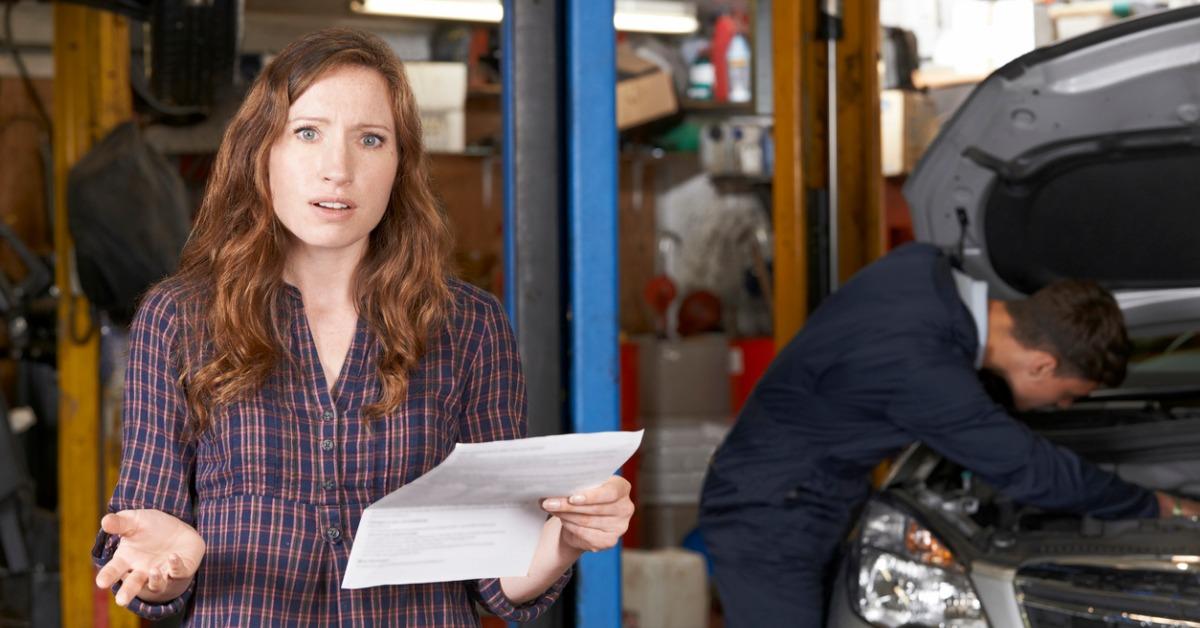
x=277 y=486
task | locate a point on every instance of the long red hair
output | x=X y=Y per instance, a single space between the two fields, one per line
x=235 y=255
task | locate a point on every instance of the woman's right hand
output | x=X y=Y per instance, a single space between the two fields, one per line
x=157 y=557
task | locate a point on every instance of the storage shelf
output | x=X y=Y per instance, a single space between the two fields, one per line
x=713 y=107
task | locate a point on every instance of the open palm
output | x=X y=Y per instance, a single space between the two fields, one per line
x=156 y=558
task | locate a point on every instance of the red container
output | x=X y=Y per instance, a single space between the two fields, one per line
x=723 y=32
x=748 y=360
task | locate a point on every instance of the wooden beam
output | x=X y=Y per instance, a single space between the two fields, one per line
x=860 y=178
x=791 y=266
x=91 y=96
x=801 y=157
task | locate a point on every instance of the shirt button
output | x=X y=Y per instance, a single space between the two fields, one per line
x=327 y=444
x=333 y=534
x=328 y=484
x=327 y=415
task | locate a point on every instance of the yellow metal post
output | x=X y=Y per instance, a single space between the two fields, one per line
x=91 y=96
x=801 y=158
x=791 y=267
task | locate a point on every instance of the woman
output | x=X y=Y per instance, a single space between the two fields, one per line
x=310 y=356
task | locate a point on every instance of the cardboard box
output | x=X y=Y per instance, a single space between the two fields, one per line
x=676 y=488
x=444 y=131
x=675 y=458
x=666 y=525
x=665 y=588
x=441 y=92
x=644 y=91
x=645 y=98
x=629 y=63
x=683 y=382
x=908 y=124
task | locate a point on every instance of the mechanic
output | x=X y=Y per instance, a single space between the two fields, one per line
x=892 y=358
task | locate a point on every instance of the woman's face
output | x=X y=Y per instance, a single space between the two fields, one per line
x=331 y=171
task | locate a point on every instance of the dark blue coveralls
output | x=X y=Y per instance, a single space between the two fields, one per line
x=886 y=361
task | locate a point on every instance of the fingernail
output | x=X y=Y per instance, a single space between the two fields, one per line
x=577 y=499
x=553 y=504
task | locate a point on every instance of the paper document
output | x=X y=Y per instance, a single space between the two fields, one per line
x=478 y=514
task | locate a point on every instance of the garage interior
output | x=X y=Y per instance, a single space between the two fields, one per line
x=660 y=192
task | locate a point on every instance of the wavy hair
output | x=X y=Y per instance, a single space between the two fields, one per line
x=234 y=257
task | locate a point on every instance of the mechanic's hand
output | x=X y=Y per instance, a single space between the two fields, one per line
x=593 y=520
x=1167 y=503
x=156 y=559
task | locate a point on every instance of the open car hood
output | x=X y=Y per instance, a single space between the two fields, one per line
x=1081 y=159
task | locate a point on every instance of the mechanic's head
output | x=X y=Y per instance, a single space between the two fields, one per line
x=1068 y=339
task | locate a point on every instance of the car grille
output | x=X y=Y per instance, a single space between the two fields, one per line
x=1073 y=596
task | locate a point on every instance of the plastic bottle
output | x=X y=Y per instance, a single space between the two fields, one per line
x=737 y=59
x=723 y=32
x=700 y=79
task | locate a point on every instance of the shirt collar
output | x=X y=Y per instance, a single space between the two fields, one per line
x=974 y=295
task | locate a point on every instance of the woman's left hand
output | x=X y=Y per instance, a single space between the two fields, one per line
x=593 y=520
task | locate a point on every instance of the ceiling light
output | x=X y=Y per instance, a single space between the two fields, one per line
x=457 y=10
x=645 y=16
x=656 y=16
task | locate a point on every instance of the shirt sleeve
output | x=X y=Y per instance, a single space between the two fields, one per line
x=946 y=407
x=489 y=595
x=495 y=410
x=157 y=457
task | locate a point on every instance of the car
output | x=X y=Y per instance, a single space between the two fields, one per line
x=1081 y=159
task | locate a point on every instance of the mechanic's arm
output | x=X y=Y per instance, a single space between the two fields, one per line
x=945 y=406
x=1172 y=506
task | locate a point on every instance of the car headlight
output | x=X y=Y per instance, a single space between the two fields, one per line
x=907 y=577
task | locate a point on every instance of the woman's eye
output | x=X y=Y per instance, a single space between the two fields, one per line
x=307 y=134
x=372 y=141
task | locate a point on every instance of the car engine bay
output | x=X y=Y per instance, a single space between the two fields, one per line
x=1152 y=445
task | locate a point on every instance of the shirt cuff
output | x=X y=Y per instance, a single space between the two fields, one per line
x=102 y=552
x=492 y=597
